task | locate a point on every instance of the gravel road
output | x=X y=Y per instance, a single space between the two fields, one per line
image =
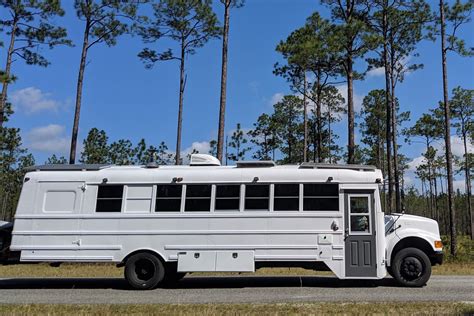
x=253 y=289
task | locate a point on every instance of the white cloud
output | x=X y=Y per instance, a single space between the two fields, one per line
x=50 y=139
x=457 y=146
x=31 y=100
x=415 y=163
x=277 y=97
x=376 y=72
x=357 y=98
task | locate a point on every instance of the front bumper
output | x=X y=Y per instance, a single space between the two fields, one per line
x=437 y=258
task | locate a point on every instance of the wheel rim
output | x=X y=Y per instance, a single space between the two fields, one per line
x=144 y=269
x=411 y=268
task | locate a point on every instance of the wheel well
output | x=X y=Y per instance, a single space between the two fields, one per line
x=412 y=242
x=121 y=264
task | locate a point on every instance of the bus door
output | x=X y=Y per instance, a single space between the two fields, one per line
x=360 y=250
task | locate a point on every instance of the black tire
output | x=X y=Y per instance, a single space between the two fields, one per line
x=411 y=267
x=390 y=271
x=144 y=271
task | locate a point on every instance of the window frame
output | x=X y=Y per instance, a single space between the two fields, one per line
x=122 y=204
x=298 y=196
x=350 y=213
x=185 y=197
x=215 y=198
x=337 y=197
x=156 y=198
x=269 y=198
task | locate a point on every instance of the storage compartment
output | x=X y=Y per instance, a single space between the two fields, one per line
x=197 y=261
x=235 y=261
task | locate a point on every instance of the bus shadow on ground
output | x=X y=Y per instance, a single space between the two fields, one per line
x=200 y=282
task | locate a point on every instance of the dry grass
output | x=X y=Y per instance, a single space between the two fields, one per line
x=425 y=308
x=78 y=270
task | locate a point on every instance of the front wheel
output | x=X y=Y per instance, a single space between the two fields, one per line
x=144 y=271
x=411 y=267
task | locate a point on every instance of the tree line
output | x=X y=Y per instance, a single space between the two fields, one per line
x=357 y=37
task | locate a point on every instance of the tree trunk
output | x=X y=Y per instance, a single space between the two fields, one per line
x=350 y=112
x=305 y=122
x=318 y=120
x=329 y=136
x=388 y=114
x=447 y=137
x=398 y=202
x=182 y=83
x=3 y=97
x=80 y=80
x=225 y=40
x=468 y=183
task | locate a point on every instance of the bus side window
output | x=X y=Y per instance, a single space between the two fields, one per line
x=109 y=198
x=321 y=197
x=198 y=198
x=227 y=197
x=257 y=197
x=286 y=197
x=168 y=197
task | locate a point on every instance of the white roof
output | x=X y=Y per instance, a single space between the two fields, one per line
x=210 y=174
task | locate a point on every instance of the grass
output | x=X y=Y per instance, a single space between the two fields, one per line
x=424 y=308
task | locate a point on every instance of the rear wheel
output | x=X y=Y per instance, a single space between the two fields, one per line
x=144 y=271
x=411 y=267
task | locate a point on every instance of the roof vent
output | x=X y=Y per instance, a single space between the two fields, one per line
x=204 y=160
x=256 y=164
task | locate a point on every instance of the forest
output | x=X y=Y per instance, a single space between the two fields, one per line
x=321 y=53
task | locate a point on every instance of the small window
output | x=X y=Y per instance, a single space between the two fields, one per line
x=257 y=197
x=359 y=209
x=321 y=197
x=168 y=198
x=287 y=197
x=198 y=198
x=227 y=197
x=109 y=198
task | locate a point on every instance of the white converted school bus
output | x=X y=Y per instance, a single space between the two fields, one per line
x=161 y=222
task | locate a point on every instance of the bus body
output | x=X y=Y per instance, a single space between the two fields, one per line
x=164 y=221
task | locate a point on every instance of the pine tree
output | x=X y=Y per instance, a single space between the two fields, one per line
x=452 y=18
x=263 y=135
x=104 y=21
x=191 y=24
x=28 y=24
x=228 y=4
x=238 y=142
x=95 y=147
x=462 y=111
x=351 y=42
x=54 y=160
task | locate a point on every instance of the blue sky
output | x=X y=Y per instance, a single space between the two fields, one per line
x=129 y=101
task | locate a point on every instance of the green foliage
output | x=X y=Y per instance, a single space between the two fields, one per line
x=95 y=147
x=54 y=160
x=105 y=20
x=373 y=117
x=455 y=16
x=213 y=148
x=121 y=152
x=289 y=129
x=264 y=136
x=29 y=22
x=238 y=142
x=14 y=158
x=191 y=23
